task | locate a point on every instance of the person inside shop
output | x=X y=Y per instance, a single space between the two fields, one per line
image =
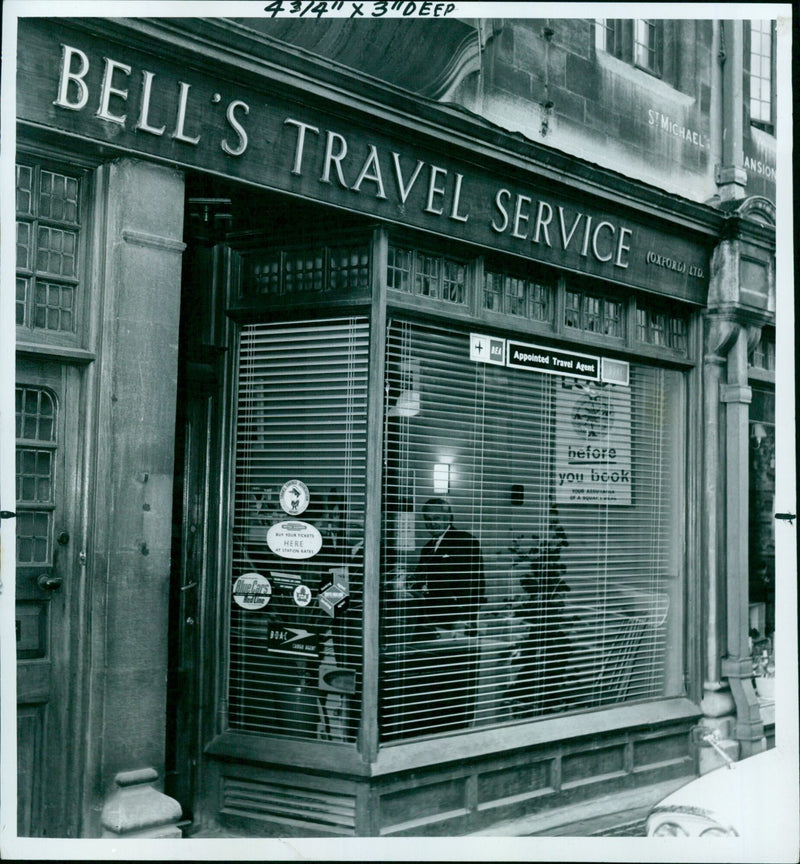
x=448 y=587
x=448 y=579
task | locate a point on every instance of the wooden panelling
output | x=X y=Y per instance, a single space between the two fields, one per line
x=514 y=783
x=294 y=806
x=30 y=722
x=588 y=765
x=33 y=678
x=31 y=626
x=459 y=797
x=663 y=750
x=418 y=806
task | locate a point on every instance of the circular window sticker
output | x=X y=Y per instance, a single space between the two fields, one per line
x=302 y=595
x=294 y=497
x=252 y=591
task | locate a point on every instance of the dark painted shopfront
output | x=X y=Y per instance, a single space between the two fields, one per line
x=290 y=318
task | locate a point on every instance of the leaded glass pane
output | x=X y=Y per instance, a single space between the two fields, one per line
x=454 y=281
x=572 y=309
x=24 y=245
x=34 y=475
x=53 y=306
x=56 y=251
x=349 y=267
x=398 y=275
x=33 y=535
x=22 y=300
x=58 y=197
x=427 y=275
x=35 y=414
x=24 y=190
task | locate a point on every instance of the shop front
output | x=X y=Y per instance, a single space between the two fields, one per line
x=435 y=559
x=374 y=374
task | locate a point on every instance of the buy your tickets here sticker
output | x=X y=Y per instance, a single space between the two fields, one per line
x=294 y=539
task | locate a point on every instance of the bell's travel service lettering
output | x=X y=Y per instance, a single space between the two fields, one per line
x=143 y=104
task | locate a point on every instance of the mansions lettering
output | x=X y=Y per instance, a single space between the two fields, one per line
x=758 y=167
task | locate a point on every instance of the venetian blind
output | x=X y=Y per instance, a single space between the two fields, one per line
x=295 y=620
x=568 y=594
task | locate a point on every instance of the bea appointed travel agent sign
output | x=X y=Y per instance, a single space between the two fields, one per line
x=540 y=359
x=265 y=133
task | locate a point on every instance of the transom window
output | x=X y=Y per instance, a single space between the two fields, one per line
x=656 y=326
x=48 y=236
x=315 y=269
x=585 y=311
x=427 y=275
x=514 y=295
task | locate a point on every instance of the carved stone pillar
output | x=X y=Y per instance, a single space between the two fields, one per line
x=718 y=705
x=141 y=248
x=737 y=665
x=739 y=303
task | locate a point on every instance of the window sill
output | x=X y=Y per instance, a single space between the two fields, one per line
x=756 y=373
x=639 y=77
x=55 y=351
x=487 y=741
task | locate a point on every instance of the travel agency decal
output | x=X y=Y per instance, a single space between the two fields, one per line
x=592 y=417
x=293 y=540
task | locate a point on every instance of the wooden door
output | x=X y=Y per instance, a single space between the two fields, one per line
x=188 y=691
x=46 y=475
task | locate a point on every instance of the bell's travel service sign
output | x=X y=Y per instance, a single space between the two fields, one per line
x=264 y=132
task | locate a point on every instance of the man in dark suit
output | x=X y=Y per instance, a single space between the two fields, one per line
x=449 y=575
x=448 y=589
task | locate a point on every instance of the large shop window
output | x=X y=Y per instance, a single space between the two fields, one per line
x=558 y=584
x=297 y=580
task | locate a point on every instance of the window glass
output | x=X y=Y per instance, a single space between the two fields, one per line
x=48 y=234
x=584 y=311
x=532 y=553
x=645 y=44
x=515 y=295
x=427 y=275
x=762 y=520
x=35 y=472
x=761 y=83
x=660 y=326
x=297 y=551
x=306 y=270
x=638 y=41
x=763 y=354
